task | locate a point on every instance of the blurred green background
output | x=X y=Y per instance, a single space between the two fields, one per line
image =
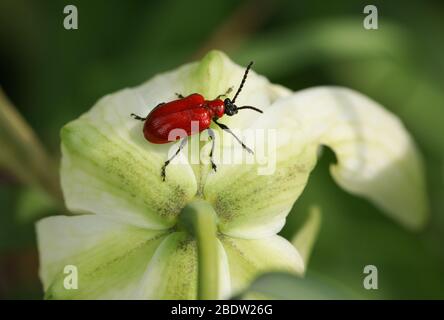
x=52 y=75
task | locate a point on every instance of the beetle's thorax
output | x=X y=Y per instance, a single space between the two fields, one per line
x=216 y=108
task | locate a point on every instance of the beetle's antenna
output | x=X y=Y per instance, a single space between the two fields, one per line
x=243 y=81
x=250 y=107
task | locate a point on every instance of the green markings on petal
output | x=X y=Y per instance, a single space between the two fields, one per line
x=172 y=272
x=110 y=258
x=247 y=259
x=250 y=205
x=105 y=174
x=109 y=168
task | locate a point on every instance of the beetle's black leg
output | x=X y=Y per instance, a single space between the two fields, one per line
x=226 y=93
x=182 y=144
x=135 y=116
x=224 y=127
x=213 y=138
x=179 y=95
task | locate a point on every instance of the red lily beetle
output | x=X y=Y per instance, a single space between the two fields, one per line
x=180 y=113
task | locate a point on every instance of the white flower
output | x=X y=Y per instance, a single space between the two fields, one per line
x=126 y=242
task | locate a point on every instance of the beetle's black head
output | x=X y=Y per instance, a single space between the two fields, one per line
x=230 y=107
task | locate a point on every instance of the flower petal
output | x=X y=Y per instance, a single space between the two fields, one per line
x=253 y=206
x=376 y=159
x=108 y=167
x=111 y=258
x=224 y=274
x=172 y=272
x=248 y=258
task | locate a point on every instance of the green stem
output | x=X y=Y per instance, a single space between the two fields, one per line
x=23 y=154
x=199 y=218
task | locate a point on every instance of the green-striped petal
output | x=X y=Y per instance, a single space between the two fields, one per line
x=110 y=258
x=108 y=168
x=172 y=272
x=250 y=205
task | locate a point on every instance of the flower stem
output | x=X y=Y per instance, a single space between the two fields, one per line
x=23 y=154
x=199 y=218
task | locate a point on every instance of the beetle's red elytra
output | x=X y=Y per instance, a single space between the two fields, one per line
x=180 y=113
